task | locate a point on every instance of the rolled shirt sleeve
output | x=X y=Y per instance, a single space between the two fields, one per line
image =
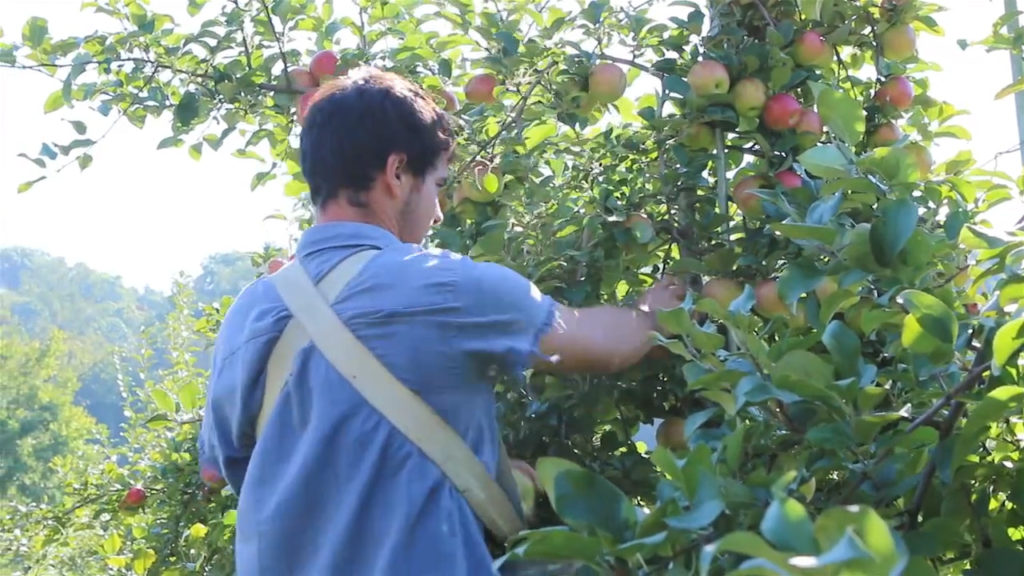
x=503 y=316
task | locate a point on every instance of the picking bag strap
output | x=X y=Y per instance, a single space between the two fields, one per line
x=294 y=337
x=404 y=408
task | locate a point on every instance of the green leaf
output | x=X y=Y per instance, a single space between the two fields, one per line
x=34 y=32
x=741 y=542
x=54 y=102
x=547 y=469
x=163 y=400
x=558 y=543
x=823 y=234
x=538 y=133
x=844 y=346
x=187 y=109
x=799 y=278
x=930 y=324
x=892 y=229
x=1007 y=343
x=188 y=396
x=587 y=501
x=788 y=527
x=996 y=405
x=26 y=186
x=678 y=321
x=1010 y=88
x=888 y=553
x=843 y=114
x=827 y=161
x=78 y=126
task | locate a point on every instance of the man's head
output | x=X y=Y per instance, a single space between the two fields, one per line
x=375 y=148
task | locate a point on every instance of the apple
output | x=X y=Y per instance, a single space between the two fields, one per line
x=789 y=179
x=899 y=42
x=748 y=202
x=767 y=301
x=708 y=77
x=302 y=79
x=480 y=88
x=135 y=497
x=722 y=290
x=922 y=157
x=826 y=287
x=811 y=49
x=640 y=224
x=473 y=187
x=274 y=265
x=211 y=476
x=607 y=82
x=671 y=433
x=896 y=92
x=324 y=64
x=698 y=137
x=305 y=101
x=749 y=96
x=782 y=112
x=885 y=134
x=809 y=128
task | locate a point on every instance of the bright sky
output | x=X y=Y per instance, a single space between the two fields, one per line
x=146 y=215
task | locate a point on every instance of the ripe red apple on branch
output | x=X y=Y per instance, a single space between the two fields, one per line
x=302 y=79
x=722 y=290
x=809 y=128
x=782 y=112
x=671 y=433
x=811 y=49
x=324 y=64
x=886 y=134
x=898 y=42
x=789 y=179
x=133 y=498
x=746 y=199
x=896 y=92
x=607 y=82
x=480 y=89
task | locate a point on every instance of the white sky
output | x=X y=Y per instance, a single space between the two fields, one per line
x=146 y=215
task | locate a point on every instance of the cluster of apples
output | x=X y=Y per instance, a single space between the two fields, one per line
x=606 y=83
x=767 y=302
x=322 y=67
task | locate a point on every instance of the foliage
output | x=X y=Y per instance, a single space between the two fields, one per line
x=868 y=425
x=38 y=419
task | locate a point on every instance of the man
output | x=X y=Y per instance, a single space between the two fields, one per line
x=332 y=487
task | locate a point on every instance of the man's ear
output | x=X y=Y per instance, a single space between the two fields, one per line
x=394 y=173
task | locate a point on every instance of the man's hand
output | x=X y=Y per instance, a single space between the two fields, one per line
x=666 y=293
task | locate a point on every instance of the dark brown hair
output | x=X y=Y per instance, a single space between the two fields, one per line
x=356 y=122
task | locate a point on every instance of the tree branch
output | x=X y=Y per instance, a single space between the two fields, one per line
x=973 y=378
x=245 y=41
x=764 y=12
x=280 y=42
x=630 y=63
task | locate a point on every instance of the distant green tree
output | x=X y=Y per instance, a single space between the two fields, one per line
x=38 y=418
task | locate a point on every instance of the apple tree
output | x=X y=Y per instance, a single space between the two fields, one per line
x=841 y=391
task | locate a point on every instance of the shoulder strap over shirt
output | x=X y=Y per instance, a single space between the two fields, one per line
x=496 y=505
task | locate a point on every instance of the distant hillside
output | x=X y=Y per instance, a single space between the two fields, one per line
x=103 y=319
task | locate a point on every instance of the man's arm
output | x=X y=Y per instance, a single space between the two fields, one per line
x=598 y=339
x=509 y=320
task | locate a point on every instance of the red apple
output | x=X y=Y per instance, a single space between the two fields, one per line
x=303 y=79
x=480 y=88
x=324 y=64
x=899 y=42
x=767 y=301
x=789 y=179
x=826 y=287
x=212 y=478
x=305 y=101
x=708 y=77
x=782 y=112
x=722 y=290
x=698 y=137
x=811 y=49
x=671 y=433
x=274 y=265
x=749 y=96
x=607 y=82
x=896 y=92
x=451 y=101
x=135 y=497
x=748 y=202
x=809 y=128
x=885 y=134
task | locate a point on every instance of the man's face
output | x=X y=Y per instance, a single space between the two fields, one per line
x=422 y=208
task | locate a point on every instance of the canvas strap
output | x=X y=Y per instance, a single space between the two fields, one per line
x=495 y=503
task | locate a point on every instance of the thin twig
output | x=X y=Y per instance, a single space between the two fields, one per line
x=280 y=42
x=764 y=11
x=948 y=424
x=630 y=63
x=245 y=41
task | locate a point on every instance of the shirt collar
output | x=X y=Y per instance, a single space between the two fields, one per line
x=344 y=234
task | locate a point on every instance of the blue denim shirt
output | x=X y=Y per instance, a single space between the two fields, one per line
x=332 y=487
